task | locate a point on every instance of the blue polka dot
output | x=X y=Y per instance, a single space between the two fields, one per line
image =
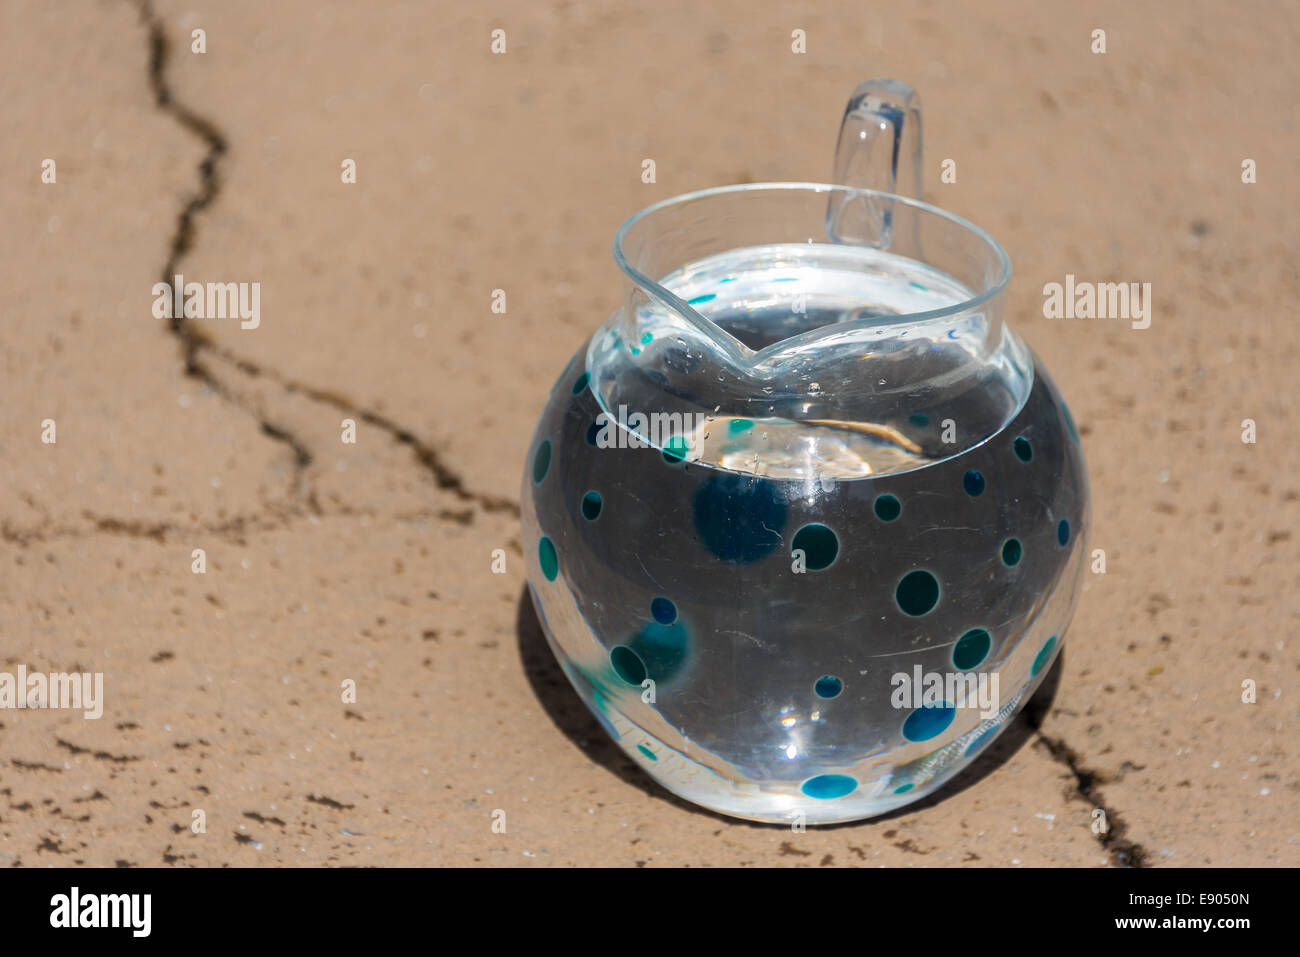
x=740 y=519
x=917 y=593
x=928 y=722
x=826 y=787
x=1043 y=657
x=627 y=664
x=541 y=461
x=663 y=610
x=887 y=507
x=828 y=686
x=973 y=483
x=1063 y=532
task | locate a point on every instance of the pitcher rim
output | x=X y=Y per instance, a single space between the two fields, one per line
x=958 y=308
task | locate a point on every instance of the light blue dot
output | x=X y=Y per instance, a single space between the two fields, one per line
x=826 y=787
x=927 y=722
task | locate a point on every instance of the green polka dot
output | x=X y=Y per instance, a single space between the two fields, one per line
x=1043 y=657
x=627 y=664
x=542 y=461
x=549 y=560
x=1011 y=552
x=591 y=506
x=1024 y=451
x=819 y=544
x=888 y=507
x=917 y=593
x=971 y=649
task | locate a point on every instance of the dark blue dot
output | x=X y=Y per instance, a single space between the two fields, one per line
x=819 y=546
x=917 y=593
x=593 y=432
x=828 y=686
x=887 y=508
x=971 y=649
x=927 y=722
x=739 y=519
x=973 y=483
x=1024 y=451
x=591 y=506
x=1063 y=532
x=663 y=610
x=828 y=786
x=580 y=384
x=627 y=664
x=542 y=461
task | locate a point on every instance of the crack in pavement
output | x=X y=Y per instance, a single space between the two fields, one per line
x=1121 y=851
x=194 y=341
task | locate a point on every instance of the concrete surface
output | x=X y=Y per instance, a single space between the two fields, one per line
x=372 y=561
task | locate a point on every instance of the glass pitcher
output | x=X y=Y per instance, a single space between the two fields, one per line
x=805 y=520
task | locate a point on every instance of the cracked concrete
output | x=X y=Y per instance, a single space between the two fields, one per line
x=329 y=562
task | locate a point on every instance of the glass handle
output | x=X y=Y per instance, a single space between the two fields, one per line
x=879 y=148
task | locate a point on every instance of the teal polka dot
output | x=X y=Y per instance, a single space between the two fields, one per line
x=917 y=593
x=707 y=297
x=736 y=426
x=973 y=483
x=919 y=419
x=1011 y=552
x=581 y=383
x=903 y=789
x=887 y=507
x=647 y=752
x=549 y=560
x=1024 y=451
x=971 y=649
x=826 y=787
x=627 y=664
x=663 y=610
x=928 y=722
x=647 y=339
x=593 y=433
x=675 y=449
x=541 y=461
x=1063 y=532
x=591 y=506
x=828 y=686
x=1043 y=657
x=819 y=544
